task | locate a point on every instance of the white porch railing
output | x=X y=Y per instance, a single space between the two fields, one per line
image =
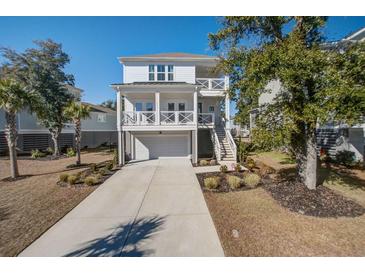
x=177 y=117
x=206 y=118
x=146 y=118
x=211 y=83
x=131 y=118
x=231 y=142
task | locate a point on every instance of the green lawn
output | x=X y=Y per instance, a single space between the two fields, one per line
x=279 y=157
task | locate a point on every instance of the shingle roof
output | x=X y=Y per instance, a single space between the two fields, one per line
x=98 y=108
x=176 y=54
x=170 y=56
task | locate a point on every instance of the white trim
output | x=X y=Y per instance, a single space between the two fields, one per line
x=159 y=128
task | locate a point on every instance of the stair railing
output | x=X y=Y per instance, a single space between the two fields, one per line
x=216 y=144
x=230 y=140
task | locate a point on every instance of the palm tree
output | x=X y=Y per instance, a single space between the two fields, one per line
x=13 y=97
x=77 y=111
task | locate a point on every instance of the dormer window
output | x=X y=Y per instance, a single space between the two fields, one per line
x=160 y=73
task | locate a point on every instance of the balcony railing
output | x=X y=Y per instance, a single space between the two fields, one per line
x=206 y=118
x=149 y=118
x=211 y=83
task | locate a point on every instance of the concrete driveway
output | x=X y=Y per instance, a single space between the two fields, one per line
x=151 y=208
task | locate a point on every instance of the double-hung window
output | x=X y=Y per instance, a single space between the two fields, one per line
x=151 y=72
x=160 y=72
x=170 y=72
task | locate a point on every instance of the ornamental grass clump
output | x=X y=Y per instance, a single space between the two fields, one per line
x=204 y=163
x=234 y=182
x=72 y=179
x=64 y=177
x=211 y=182
x=90 y=180
x=251 y=179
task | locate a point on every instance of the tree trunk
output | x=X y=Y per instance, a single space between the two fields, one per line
x=11 y=137
x=55 y=133
x=311 y=161
x=78 y=140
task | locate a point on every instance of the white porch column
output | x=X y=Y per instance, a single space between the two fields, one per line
x=228 y=101
x=157 y=107
x=194 y=146
x=119 y=129
x=227 y=111
x=195 y=104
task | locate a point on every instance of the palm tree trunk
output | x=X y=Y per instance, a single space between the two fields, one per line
x=11 y=137
x=55 y=133
x=78 y=140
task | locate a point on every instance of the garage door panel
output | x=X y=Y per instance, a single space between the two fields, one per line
x=152 y=147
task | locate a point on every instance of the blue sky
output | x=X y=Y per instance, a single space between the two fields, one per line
x=94 y=43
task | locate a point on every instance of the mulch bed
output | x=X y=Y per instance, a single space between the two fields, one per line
x=321 y=202
x=89 y=172
x=223 y=182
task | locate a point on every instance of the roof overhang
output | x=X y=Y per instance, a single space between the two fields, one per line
x=164 y=88
x=204 y=60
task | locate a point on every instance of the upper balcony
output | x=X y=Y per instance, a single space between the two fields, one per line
x=145 y=120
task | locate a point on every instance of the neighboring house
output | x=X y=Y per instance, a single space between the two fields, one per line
x=172 y=108
x=332 y=137
x=99 y=129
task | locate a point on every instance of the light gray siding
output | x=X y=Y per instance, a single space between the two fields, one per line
x=96 y=122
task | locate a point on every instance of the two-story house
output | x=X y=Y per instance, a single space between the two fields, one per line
x=100 y=128
x=173 y=105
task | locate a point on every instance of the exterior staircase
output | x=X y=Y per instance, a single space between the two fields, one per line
x=326 y=139
x=226 y=153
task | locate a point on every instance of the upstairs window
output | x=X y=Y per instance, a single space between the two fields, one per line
x=151 y=72
x=170 y=72
x=160 y=73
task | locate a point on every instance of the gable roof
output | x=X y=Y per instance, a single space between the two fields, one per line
x=98 y=108
x=179 y=56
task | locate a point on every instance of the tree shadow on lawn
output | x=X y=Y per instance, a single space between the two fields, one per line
x=333 y=177
x=326 y=175
x=123 y=241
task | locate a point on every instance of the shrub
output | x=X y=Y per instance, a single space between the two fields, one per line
x=109 y=166
x=223 y=168
x=211 y=182
x=49 y=151
x=36 y=153
x=204 y=163
x=98 y=176
x=72 y=179
x=234 y=181
x=90 y=180
x=102 y=171
x=93 y=168
x=213 y=162
x=251 y=179
x=250 y=163
x=237 y=167
x=70 y=152
x=64 y=177
x=345 y=157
